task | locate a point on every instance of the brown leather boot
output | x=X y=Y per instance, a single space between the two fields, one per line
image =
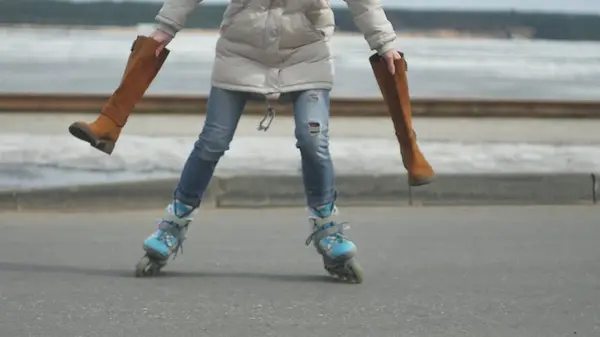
x=142 y=67
x=394 y=89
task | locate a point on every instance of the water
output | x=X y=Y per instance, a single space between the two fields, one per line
x=92 y=61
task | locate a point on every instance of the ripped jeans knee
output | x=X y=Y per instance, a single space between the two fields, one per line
x=312 y=139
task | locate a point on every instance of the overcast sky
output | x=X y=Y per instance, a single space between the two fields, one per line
x=580 y=6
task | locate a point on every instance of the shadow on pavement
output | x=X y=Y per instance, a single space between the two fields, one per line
x=36 y=268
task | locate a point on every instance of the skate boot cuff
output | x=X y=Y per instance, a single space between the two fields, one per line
x=327 y=227
x=325 y=211
x=181 y=210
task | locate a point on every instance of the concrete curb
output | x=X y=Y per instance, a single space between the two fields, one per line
x=286 y=191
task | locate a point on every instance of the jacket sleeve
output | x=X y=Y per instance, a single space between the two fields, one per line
x=173 y=14
x=372 y=22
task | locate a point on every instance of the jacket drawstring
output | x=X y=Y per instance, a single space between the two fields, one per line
x=269 y=116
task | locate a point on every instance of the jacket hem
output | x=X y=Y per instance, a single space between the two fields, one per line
x=265 y=91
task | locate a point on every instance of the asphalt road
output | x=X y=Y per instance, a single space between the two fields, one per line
x=502 y=271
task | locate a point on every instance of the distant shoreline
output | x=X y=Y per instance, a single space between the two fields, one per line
x=146 y=28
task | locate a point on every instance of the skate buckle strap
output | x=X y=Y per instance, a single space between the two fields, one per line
x=269 y=115
x=326 y=227
x=170 y=228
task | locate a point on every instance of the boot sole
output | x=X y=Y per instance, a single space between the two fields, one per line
x=421 y=182
x=82 y=133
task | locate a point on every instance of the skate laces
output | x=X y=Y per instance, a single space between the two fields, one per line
x=338 y=236
x=171 y=230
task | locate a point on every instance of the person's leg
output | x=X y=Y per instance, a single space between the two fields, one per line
x=311 y=114
x=223 y=113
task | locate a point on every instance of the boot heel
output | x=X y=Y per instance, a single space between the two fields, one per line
x=105 y=146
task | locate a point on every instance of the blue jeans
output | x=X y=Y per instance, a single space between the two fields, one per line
x=224 y=109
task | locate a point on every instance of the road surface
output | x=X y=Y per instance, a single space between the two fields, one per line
x=485 y=271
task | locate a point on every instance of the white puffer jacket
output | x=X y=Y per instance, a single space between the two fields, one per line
x=279 y=46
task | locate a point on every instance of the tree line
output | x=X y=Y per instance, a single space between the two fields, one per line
x=553 y=26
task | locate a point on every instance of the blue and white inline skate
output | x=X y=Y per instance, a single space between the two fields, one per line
x=339 y=253
x=167 y=240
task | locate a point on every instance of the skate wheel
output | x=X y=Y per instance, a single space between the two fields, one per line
x=146 y=267
x=355 y=271
x=350 y=271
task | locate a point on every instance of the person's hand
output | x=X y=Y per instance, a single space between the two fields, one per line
x=389 y=58
x=162 y=38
